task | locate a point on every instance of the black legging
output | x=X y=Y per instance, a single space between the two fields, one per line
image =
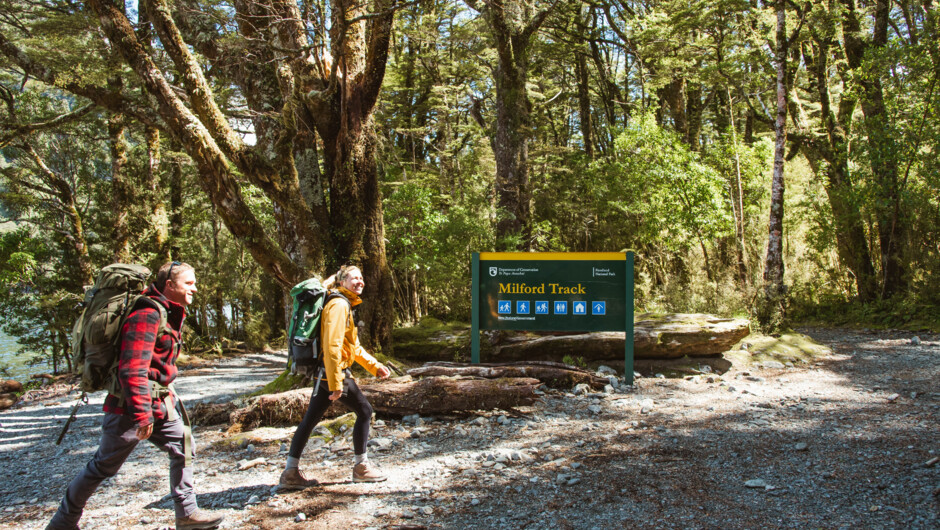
x=352 y=398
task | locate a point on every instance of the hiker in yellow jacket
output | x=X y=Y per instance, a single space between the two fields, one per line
x=341 y=349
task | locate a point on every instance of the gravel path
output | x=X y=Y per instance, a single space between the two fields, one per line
x=851 y=440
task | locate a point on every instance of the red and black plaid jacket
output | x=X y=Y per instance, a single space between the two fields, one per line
x=146 y=356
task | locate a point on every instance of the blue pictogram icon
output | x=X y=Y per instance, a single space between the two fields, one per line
x=541 y=308
x=561 y=308
x=504 y=307
x=598 y=308
x=522 y=307
x=579 y=308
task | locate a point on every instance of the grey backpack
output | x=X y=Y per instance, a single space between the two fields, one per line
x=96 y=336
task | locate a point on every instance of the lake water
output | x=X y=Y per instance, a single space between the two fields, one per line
x=14 y=363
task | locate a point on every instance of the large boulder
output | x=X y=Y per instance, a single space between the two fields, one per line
x=656 y=336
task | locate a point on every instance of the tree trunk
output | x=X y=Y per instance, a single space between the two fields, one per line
x=851 y=243
x=610 y=91
x=671 y=338
x=654 y=337
x=584 y=105
x=176 y=207
x=121 y=189
x=512 y=27
x=772 y=314
x=341 y=106
x=883 y=155
x=443 y=395
x=737 y=202
x=273 y=300
x=883 y=151
x=356 y=210
x=218 y=297
x=694 y=108
x=511 y=149
x=159 y=222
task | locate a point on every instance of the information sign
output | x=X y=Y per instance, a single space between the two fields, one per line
x=553 y=291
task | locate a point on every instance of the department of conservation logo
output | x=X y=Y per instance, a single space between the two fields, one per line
x=493 y=271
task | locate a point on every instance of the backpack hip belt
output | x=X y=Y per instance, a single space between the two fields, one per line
x=321 y=377
x=178 y=412
x=158 y=391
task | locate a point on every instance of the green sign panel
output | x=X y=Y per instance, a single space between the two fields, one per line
x=553 y=291
x=570 y=295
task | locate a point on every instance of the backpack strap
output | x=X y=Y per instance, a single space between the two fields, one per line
x=336 y=294
x=145 y=300
x=163 y=328
x=331 y=295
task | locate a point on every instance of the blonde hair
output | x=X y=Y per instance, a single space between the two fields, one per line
x=340 y=276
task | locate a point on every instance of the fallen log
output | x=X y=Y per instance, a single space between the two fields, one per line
x=284 y=408
x=397 y=397
x=203 y=414
x=554 y=375
x=442 y=395
x=225 y=346
x=10 y=385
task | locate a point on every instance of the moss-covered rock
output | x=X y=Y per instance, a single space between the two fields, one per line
x=335 y=425
x=766 y=350
x=656 y=335
x=432 y=340
x=257 y=437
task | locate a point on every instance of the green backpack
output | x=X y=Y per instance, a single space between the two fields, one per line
x=303 y=332
x=96 y=336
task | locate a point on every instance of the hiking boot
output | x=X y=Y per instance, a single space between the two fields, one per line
x=198 y=520
x=55 y=525
x=293 y=479
x=366 y=472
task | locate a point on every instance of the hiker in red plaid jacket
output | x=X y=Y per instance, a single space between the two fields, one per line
x=147 y=409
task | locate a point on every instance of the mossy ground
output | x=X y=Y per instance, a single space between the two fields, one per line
x=282 y=383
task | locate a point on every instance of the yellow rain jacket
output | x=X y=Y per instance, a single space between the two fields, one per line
x=340 y=340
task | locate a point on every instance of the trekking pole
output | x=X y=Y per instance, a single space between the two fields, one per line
x=81 y=401
x=316 y=386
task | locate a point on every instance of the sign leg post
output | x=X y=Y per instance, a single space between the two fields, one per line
x=475 y=309
x=628 y=337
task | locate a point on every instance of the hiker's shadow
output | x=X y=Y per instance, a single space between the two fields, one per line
x=241 y=497
x=238 y=498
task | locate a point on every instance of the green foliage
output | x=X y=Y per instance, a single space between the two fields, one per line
x=917 y=313
x=653 y=190
x=574 y=361
x=430 y=240
x=37 y=310
x=257 y=332
x=677 y=196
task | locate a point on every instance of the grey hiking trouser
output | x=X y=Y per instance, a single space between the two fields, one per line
x=118 y=439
